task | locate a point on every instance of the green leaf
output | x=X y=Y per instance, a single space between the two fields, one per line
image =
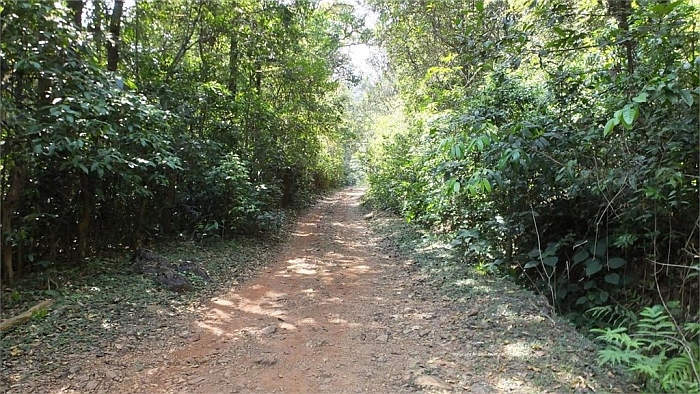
x=550 y=261
x=480 y=144
x=480 y=6
x=687 y=97
x=456 y=187
x=533 y=253
x=616 y=262
x=613 y=278
x=504 y=159
x=532 y=264
x=629 y=115
x=593 y=266
x=599 y=248
x=516 y=156
x=641 y=98
x=580 y=256
x=610 y=126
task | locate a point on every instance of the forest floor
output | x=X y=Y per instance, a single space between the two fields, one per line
x=348 y=303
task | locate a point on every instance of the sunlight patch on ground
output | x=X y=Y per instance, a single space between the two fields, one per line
x=434 y=246
x=511 y=384
x=360 y=269
x=504 y=310
x=339 y=224
x=309 y=321
x=275 y=295
x=248 y=306
x=270 y=304
x=483 y=289
x=218 y=313
x=517 y=350
x=305 y=271
x=300 y=266
x=223 y=302
x=466 y=282
x=471 y=283
x=337 y=320
x=215 y=330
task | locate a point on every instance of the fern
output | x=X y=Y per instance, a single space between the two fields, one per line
x=649 y=366
x=653 y=347
x=692 y=328
x=677 y=369
x=610 y=315
x=614 y=355
x=617 y=336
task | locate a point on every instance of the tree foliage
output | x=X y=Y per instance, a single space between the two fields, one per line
x=555 y=140
x=126 y=122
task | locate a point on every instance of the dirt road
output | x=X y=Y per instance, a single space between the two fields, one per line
x=313 y=322
x=318 y=320
x=341 y=310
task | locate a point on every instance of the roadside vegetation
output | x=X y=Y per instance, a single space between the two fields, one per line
x=128 y=123
x=556 y=143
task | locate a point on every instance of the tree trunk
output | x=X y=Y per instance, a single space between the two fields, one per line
x=169 y=204
x=258 y=77
x=234 y=58
x=9 y=203
x=621 y=10
x=96 y=28
x=86 y=214
x=76 y=10
x=114 y=30
x=185 y=43
x=233 y=65
x=138 y=224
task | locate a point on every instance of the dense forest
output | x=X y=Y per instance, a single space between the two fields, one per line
x=126 y=122
x=554 y=142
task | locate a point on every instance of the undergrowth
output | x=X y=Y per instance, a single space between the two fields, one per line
x=663 y=353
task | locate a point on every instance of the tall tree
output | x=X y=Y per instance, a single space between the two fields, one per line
x=114 y=33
